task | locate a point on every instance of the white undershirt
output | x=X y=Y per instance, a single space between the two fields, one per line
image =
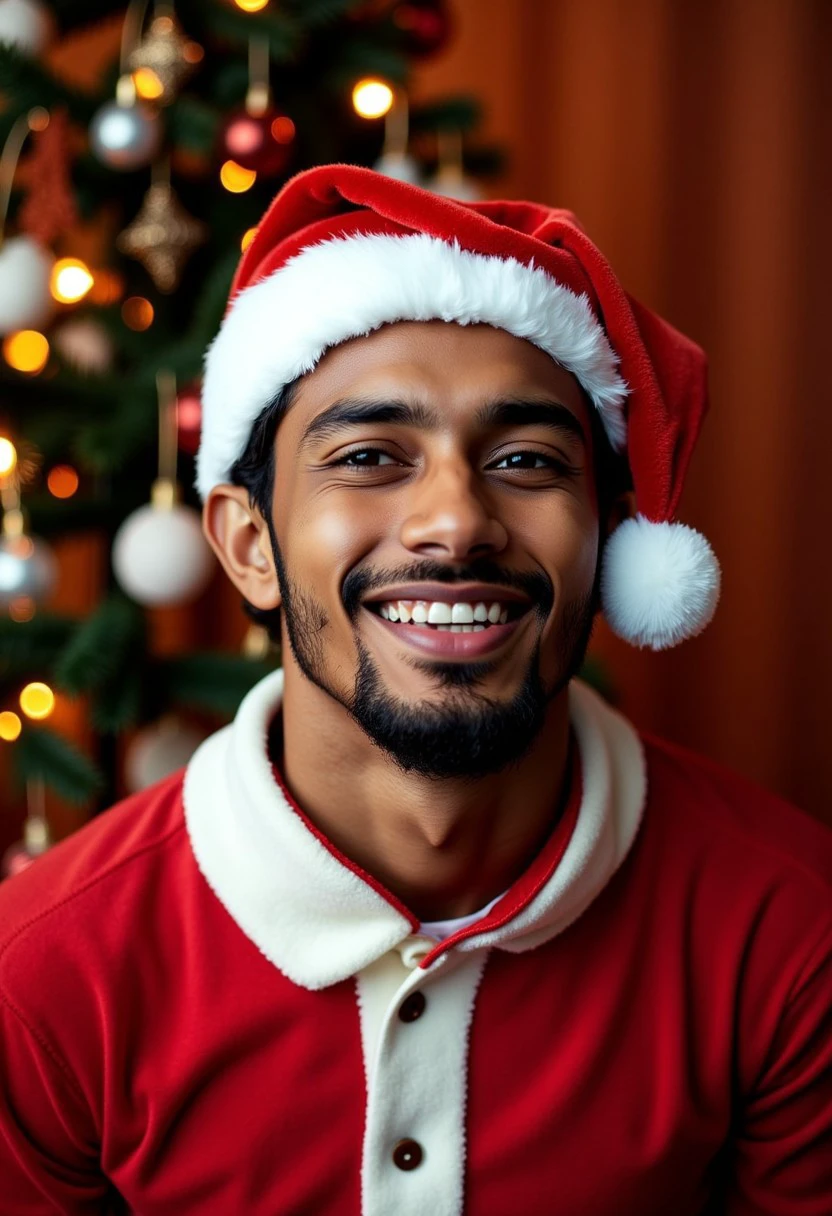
x=439 y=930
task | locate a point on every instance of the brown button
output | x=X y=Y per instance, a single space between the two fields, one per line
x=412 y=1007
x=407 y=1155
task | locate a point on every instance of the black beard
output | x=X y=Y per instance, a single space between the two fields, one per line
x=469 y=735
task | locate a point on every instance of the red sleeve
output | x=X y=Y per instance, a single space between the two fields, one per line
x=783 y=1161
x=48 y=1154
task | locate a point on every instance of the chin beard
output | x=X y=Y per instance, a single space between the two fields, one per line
x=468 y=734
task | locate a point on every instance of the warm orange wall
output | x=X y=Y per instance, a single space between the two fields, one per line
x=692 y=137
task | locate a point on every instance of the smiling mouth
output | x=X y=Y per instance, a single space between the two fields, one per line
x=441 y=616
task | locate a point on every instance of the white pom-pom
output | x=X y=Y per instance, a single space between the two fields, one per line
x=659 y=582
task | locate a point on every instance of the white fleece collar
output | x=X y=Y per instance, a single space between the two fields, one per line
x=318 y=920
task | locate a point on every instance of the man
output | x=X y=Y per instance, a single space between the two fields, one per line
x=430 y=929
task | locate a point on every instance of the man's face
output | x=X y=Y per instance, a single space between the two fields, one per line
x=441 y=471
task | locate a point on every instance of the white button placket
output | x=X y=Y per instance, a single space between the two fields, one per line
x=414 y=1140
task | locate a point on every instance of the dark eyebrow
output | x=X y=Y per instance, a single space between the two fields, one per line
x=501 y=413
x=520 y=412
x=358 y=411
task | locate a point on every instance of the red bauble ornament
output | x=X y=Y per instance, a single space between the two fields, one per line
x=425 y=24
x=189 y=418
x=260 y=142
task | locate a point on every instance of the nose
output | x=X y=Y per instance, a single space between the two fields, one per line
x=449 y=517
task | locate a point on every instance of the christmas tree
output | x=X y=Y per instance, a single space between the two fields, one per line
x=155 y=138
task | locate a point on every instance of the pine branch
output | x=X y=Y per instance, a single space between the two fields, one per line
x=213 y=682
x=32 y=647
x=40 y=752
x=448 y=114
x=102 y=647
x=26 y=83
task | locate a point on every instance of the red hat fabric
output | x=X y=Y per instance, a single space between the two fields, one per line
x=343 y=250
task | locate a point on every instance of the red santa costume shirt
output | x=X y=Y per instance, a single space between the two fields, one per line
x=205 y=1008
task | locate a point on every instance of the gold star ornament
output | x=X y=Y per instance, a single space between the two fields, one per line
x=162 y=236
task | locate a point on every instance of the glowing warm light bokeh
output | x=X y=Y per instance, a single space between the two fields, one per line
x=283 y=129
x=192 y=52
x=107 y=288
x=251 y=6
x=189 y=412
x=62 y=481
x=235 y=178
x=37 y=700
x=22 y=608
x=26 y=351
x=8 y=456
x=10 y=726
x=70 y=281
x=248 y=237
x=148 y=85
x=372 y=98
x=137 y=313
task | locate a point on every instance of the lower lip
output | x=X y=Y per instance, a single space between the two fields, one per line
x=450 y=645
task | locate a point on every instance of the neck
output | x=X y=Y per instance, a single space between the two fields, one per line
x=443 y=847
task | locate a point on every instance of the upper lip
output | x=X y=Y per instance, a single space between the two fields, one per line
x=460 y=593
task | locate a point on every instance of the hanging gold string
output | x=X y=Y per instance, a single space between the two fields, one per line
x=165 y=491
x=37 y=119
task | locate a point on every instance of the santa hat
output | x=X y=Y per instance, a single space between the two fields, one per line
x=343 y=250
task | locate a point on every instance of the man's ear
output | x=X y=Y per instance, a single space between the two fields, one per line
x=239 y=535
x=622 y=507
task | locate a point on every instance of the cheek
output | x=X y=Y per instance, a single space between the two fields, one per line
x=323 y=537
x=563 y=537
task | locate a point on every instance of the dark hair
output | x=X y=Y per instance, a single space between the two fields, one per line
x=255 y=470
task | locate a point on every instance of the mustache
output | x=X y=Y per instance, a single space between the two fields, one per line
x=532 y=583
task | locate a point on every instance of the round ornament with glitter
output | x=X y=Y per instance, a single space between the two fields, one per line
x=25 y=25
x=162 y=236
x=28 y=569
x=262 y=142
x=125 y=134
x=164 y=60
x=160 y=555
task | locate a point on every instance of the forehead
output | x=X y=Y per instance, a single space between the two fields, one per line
x=461 y=365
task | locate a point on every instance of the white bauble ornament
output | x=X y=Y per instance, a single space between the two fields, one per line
x=85 y=345
x=25 y=24
x=159 y=750
x=160 y=555
x=125 y=136
x=400 y=166
x=27 y=568
x=25 y=299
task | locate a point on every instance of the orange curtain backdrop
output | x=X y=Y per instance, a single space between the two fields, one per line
x=692 y=138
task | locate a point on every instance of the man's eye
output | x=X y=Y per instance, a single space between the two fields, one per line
x=529 y=460
x=366 y=458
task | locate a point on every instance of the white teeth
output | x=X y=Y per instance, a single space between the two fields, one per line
x=457 y=629
x=477 y=628
x=404 y=612
x=467 y=628
x=385 y=612
x=504 y=616
x=419 y=613
x=439 y=613
x=393 y=612
x=462 y=614
x=481 y=612
x=494 y=613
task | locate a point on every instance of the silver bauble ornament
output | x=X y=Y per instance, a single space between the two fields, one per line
x=25 y=299
x=25 y=24
x=125 y=136
x=27 y=569
x=160 y=555
x=159 y=750
x=400 y=166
